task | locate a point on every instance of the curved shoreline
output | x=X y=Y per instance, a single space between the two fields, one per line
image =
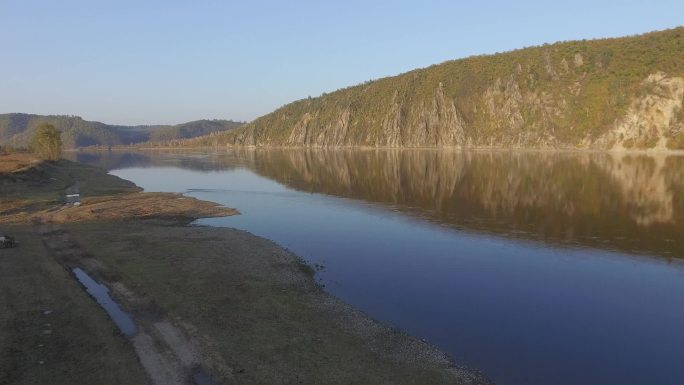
x=252 y=309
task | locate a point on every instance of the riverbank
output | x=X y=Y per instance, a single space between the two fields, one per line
x=234 y=305
x=465 y=149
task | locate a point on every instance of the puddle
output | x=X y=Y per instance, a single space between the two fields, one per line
x=200 y=377
x=100 y=292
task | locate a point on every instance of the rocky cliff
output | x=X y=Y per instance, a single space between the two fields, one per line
x=606 y=94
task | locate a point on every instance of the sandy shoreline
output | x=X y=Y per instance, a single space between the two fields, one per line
x=234 y=304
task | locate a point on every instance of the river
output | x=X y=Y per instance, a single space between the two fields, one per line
x=532 y=267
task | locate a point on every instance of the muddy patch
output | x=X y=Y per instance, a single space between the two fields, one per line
x=168 y=355
x=100 y=292
x=200 y=377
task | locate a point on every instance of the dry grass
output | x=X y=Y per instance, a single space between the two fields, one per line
x=117 y=207
x=17 y=161
x=256 y=308
x=51 y=331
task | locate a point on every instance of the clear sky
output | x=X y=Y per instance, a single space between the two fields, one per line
x=143 y=62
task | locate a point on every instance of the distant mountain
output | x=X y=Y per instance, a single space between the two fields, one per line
x=16 y=130
x=618 y=93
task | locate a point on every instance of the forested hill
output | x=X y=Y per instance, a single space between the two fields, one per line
x=609 y=93
x=16 y=130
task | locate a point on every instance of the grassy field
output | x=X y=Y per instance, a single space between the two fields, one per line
x=46 y=181
x=256 y=306
x=51 y=331
x=15 y=161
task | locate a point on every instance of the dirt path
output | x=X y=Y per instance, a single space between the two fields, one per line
x=167 y=353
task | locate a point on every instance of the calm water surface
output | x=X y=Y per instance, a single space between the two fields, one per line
x=533 y=268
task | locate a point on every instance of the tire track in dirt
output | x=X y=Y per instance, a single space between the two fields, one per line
x=167 y=354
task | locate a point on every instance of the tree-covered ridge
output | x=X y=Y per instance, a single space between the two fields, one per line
x=16 y=129
x=622 y=92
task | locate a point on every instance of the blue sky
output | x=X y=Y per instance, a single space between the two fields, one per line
x=143 y=62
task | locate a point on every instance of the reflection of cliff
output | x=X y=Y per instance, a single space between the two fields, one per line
x=616 y=201
x=646 y=187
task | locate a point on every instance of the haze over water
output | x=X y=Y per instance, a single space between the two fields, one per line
x=534 y=268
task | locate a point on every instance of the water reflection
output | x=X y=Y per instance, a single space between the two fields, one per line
x=626 y=202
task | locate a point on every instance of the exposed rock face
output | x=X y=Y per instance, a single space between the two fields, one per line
x=578 y=60
x=508 y=116
x=300 y=132
x=393 y=122
x=514 y=117
x=335 y=132
x=651 y=118
x=437 y=124
x=503 y=101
